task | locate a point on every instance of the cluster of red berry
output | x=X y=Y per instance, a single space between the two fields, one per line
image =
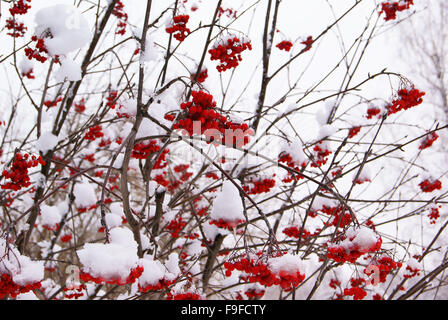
x=356 y=290
x=179 y=28
x=373 y=112
x=429 y=186
x=228 y=52
x=74 y=293
x=308 y=43
x=202 y=110
x=160 y=285
x=284 y=45
x=434 y=215
x=411 y=272
x=390 y=9
x=258 y=271
x=11 y=289
x=201 y=76
x=66 y=237
x=352 y=251
x=229 y=12
x=19 y=7
x=226 y=224
x=175 y=226
x=408 y=99
x=385 y=266
x=18 y=28
x=80 y=107
x=353 y=131
x=259 y=186
x=294 y=232
x=183 y=296
x=122 y=16
x=143 y=149
x=254 y=293
x=94 y=133
x=37 y=53
x=320 y=156
x=18 y=173
x=133 y=275
x=428 y=141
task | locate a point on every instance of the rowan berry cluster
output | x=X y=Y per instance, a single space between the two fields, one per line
x=229 y=12
x=183 y=296
x=373 y=112
x=201 y=110
x=429 y=186
x=160 y=285
x=434 y=215
x=18 y=28
x=228 y=52
x=428 y=141
x=94 y=133
x=353 y=131
x=351 y=251
x=390 y=9
x=179 y=28
x=37 y=53
x=385 y=266
x=258 y=271
x=226 y=224
x=74 y=293
x=411 y=272
x=294 y=232
x=408 y=99
x=321 y=154
x=259 y=186
x=201 y=76
x=122 y=16
x=356 y=291
x=133 y=275
x=18 y=173
x=143 y=149
x=80 y=107
x=11 y=289
x=284 y=45
x=308 y=43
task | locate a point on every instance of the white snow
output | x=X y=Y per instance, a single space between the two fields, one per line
x=113 y=260
x=22 y=269
x=227 y=204
x=69 y=70
x=49 y=216
x=69 y=29
x=85 y=195
x=46 y=142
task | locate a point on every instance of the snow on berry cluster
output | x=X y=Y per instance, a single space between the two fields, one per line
x=355 y=242
x=18 y=273
x=227 y=209
x=116 y=262
x=157 y=276
x=390 y=8
x=228 y=51
x=285 y=270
